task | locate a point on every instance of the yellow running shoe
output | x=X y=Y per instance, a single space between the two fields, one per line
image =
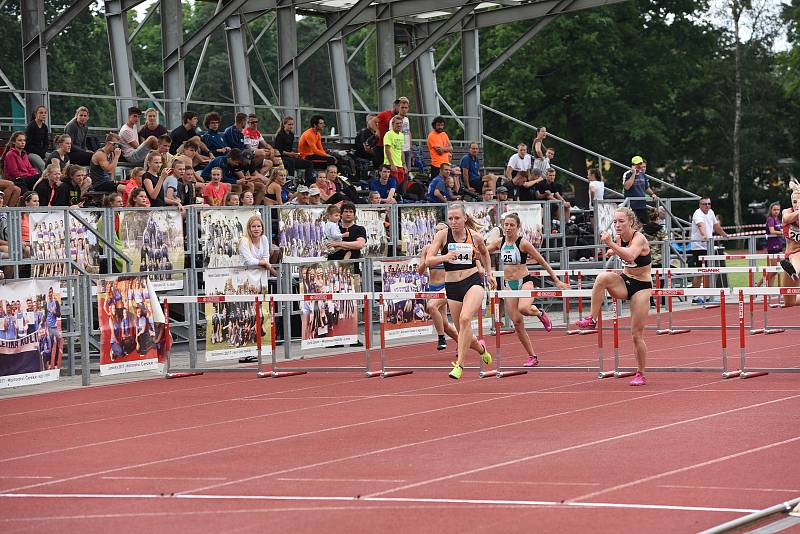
x=486 y=355
x=455 y=374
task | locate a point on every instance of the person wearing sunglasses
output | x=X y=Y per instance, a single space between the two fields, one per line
x=704 y=226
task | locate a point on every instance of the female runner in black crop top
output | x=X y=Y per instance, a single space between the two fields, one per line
x=634 y=284
x=463 y=281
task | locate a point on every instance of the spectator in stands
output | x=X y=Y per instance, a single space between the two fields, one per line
x=597 y=189
x=385 y=185
x=215 y=191
x=68 y=193
x=247 y=198
x=234 y=134
x=438 y=189
x=458 y=185
x=549 y=189
x=38 y=136
x=439 y=145
x=654 y=231
x=403 y=107
x=164 y=142
x=4 y=250
x=326 y=187
x=17 y=167
x=212 y=138
x=173 y=185
x=138 y=198
x=393 y=150
x=29 y=200
x=310 y=144
x=154 y=184
x=521 y=161
x=233 y=173
x=274 y=193
x=114 y=201
x=524 y=185
x=314 y=196
x=187 y=132
x=46 y=186
x=636 y=185
x=78 y=131
x=539 y=151
x=374 y=198
x=384 y=122
x=356 y=235
x=775 y=240
x=471 y=169
x=367 y=145
x=151 y=127
x=61 y=153
x=342 y=188
x=188 y=154
x=134 y=181
x=284 y=144
x=255 y=246
x=301 y=197
x=704 y=225
x=103 y=166
x=546 y=162
x=133 y=151
x=264 y=156
x=488 y=194
x=502 y=194
x=232 y=199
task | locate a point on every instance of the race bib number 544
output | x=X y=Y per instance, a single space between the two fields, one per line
x=463 y=253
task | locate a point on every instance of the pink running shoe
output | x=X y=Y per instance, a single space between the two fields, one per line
x=533 y=361
x=638 y=379
x=546 y=322
x=587 y=323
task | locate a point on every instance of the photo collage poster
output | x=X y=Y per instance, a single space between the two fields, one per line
x=486 y=216
x=328 y=322
x=47 y=242
x=220 y=234
x=417 y=227
x=604 y=217
x=133 y=336
x=231 y=326
x=31 y=335
x=405 y=317
x=376 y=221
x=300 y=233
x=530 y=215
x=153 y=240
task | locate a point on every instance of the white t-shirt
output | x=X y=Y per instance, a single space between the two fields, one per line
x=520 y=164
x=599 y=189
x=127 y=135
x=406 y=131
x=708 y=220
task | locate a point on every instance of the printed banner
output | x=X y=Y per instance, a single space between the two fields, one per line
x=329 y=322
x=47 y=242
x=417 y=227
x=132 y=331
x=376 y=222
x=153 y=240
x=231 y=326
x=531 y=217
x=221 y=230
x=485 y=215
x=31 y=338
x=300 y=233
x=405 y=317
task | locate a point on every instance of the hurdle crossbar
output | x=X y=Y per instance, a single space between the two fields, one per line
x=751 y=372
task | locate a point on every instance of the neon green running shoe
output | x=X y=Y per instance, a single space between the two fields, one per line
x=455 y=374
x=486 y=356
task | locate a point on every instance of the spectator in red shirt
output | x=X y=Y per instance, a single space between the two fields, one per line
x=17 y=168
x=385 y=119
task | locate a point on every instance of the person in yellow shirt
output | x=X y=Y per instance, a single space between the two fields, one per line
x=439 y=146
x=393 y=150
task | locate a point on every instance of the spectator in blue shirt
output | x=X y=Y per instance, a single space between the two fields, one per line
x=471 y=169
x=234 y=134
x=231 y=167
x=385 y=185
x=438 y=191
x=212 y=138
x=637 y=186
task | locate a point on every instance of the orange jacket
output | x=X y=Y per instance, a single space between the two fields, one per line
x=310 y=143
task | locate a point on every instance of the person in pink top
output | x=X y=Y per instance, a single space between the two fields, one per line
x=17 y=168
x=215 y=191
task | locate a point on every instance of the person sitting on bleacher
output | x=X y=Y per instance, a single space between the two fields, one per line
x=212 y=138
x=367 y=144
x=310 y=144
x=133 y=151
x=68 y=193
x=385 y=185
x=46 y=186
x=17 y=168
x=188 y=131
x=38 y=136
x=61 y=153
x=151 y=127
x=284 y=144
x=164 y=142
x=103 y=166
x=78 y=131
x=438 y=189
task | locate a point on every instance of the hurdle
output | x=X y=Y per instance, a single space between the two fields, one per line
x=752 y=372
x=389 y=371
x=507 y=371
x=579 y=331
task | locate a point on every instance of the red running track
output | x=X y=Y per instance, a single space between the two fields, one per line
x=542 y=452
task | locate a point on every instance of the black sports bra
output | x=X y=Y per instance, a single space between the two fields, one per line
x=465 y=252
x=640 y=261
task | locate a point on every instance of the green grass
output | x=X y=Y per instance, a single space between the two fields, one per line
x=741 y=279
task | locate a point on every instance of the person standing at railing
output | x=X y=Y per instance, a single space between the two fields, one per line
x=634 y=284
x=597 y=188
x=637 y=186
x=775 y=241
x=254 y=246
x=704 y=225
x=541 y=160
x=791 y=229
x=439 y=146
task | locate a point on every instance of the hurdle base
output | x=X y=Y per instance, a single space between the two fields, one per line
x=606 y=374
x=672 y=331
x=372 y=374
x=779 y=305
x=731 y=374
x=390 y=374
x=282 y=374
x=484 y=374
x=710 y=306
x=504 y=374
x=503 y=331
x=623 y=374
x=752 y=374
x=766 y=331
x=581 y=332
x=169 y=376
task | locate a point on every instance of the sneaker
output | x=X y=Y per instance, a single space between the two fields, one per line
x=587 y=323
x=455 y=374
x=442 y=344
x=486 y=356
x=546 y=322
x=638 y=379
x=533 y=361
x=698 y=300
x=789 y=268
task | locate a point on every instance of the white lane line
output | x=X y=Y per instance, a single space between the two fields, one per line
x=341 y=479
x=25 y=476
x=163 y=478
x=529 y=483
x=687 y=468
x=411 y=500
x=581 y=446
x=729 y=488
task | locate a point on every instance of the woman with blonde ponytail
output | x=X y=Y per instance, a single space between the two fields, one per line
x=790 y=219
x=634 y=284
